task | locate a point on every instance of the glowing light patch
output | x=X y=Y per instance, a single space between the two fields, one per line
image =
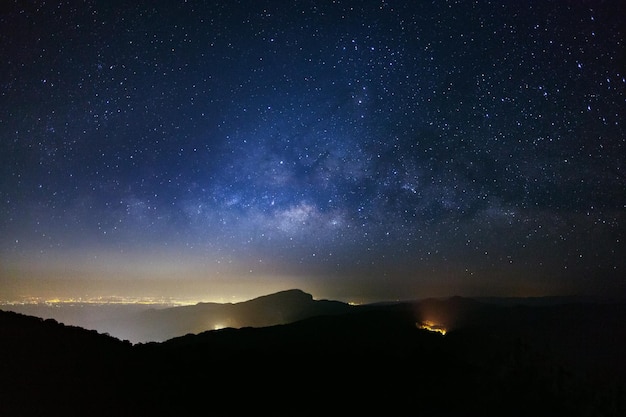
x=431 y=327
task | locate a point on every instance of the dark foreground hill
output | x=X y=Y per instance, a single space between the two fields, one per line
x=373 y=360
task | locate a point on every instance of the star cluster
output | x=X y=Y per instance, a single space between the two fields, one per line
x=371 y=147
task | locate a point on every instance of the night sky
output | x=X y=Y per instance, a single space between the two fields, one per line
x=365 y=150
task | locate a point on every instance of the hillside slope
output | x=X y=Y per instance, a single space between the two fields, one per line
x=370 y=360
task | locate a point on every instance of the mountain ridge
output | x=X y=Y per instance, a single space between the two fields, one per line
x=266 y=310
x=371 y=360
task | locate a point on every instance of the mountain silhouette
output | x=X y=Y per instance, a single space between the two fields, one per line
x=278 y=308
x=494 y=360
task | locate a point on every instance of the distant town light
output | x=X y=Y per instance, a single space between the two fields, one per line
x=431 y=327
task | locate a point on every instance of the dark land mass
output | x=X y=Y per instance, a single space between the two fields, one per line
x=373 y=360
x=139 y=324
x=279 y=308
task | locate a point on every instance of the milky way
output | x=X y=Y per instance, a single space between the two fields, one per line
x=387 y=149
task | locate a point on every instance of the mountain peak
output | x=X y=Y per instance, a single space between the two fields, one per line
x=291 y=294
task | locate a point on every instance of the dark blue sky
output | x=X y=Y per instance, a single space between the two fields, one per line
x=354 y=149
